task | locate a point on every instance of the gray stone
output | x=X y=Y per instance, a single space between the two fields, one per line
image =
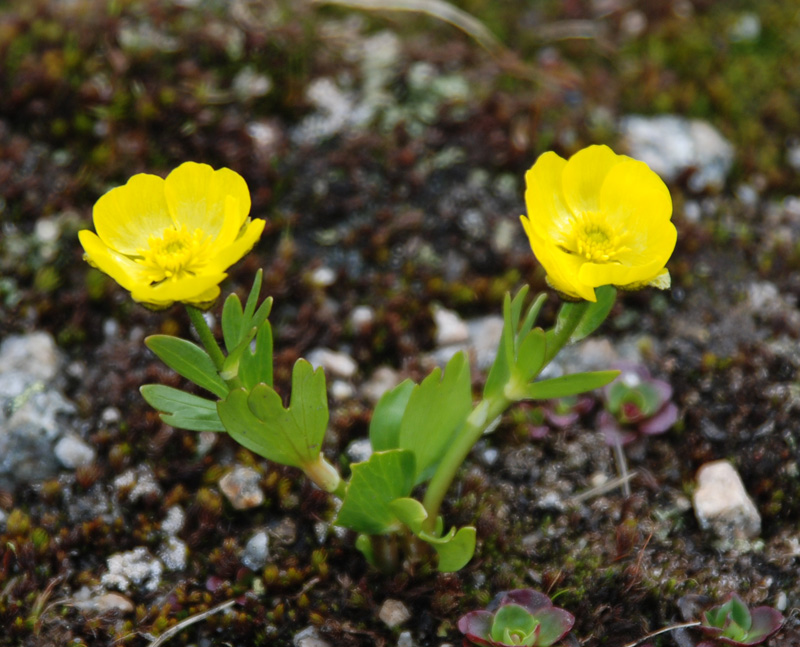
x=450 y=328
x=132 y=569
x=722 y=505
x=256 y=551
x=484 y=336
x=35 y=355
x=241 y=487
x=383 y=379
x=342 y=391
x=309 y=637
x=72 y=452
x=333 y=362
x=673 y=145
x=405 y=640
x=33 y=412
x=393 y=613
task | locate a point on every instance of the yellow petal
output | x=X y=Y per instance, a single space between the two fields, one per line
x=635 y=197
x=227 y=256
x=544 y=199
x=584 y=175
x=195 y=290
x=128 y=215
x=123 y=270
x=196 y=195
x=562 y=268
x=597 y=274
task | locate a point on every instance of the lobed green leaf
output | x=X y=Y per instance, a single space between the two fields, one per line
x=560 y=387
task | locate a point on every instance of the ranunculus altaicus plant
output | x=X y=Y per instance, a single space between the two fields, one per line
x=636 y=405
x=598 y=219
x=520 y=617
x=172 y=239
x=733 y=623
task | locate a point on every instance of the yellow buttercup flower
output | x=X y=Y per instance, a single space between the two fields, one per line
x=172 y=239
x=598 y=219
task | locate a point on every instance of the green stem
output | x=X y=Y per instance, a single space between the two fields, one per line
x=569 y=316
x=206 y=336
x=477 y=422
x=487 y=411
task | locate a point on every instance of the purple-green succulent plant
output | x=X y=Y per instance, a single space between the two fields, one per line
x=560 y=413
x=636 y=405
x=518 y=618
x=733 y=623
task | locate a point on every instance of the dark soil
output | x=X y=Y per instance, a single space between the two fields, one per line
x=383 y=205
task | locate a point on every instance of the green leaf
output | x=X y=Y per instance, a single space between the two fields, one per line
x=230 y=367
x=189 y=360
x=384 y=428
x=516 y=306
x=256 y=367
x=530 y=318
x=560 y=387
x=245 y=428
x=531 y=354
x=512 y=619
x=596 y=313
x=500 y=372
x=455 y=553
x=252 y=301
x=374 y=484
x=231 y=321
x=435 y=411
x=290 y=436
x=454 y=549
x=740 y=613
x=182 y=410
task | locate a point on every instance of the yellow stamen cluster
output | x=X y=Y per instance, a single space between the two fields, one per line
x=177 y=252
x=595 y=239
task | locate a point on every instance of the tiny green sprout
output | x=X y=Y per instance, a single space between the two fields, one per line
x=518 y=618
x=733 y=623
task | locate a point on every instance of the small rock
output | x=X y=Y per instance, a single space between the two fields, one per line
x=241 y=487
x=256 y=551
x=361 y=317
x=333 y=362
x=341 y=390
x=133 y=568
x=105 y=603
x=72 y=452
x=173 y=554
x=393 y=613
x=323 y=277
x=450 y=328
x=309 y=637
x=405 y=640
x=484 y=337
x=34 y=354
x=673 y=145
x=359 y=450
x=383 y=379
x=285 y=531
x=722 y=505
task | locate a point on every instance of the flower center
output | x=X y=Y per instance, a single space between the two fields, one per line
x=595 y=239
x=177 y=252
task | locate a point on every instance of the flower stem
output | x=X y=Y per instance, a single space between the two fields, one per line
x=486 y=411
x=206 y=336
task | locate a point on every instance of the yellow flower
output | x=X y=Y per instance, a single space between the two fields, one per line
x=172 y=239
x=598 y=219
